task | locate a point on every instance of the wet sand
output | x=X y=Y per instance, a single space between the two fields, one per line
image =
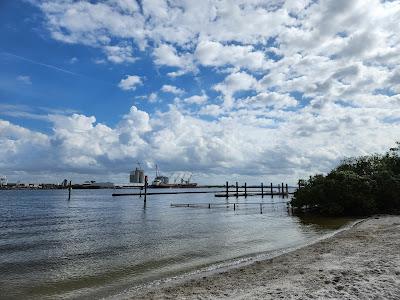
x=362 y=262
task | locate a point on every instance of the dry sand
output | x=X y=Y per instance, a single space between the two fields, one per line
x=360 y=263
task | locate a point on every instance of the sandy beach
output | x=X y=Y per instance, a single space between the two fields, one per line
x=362 y=262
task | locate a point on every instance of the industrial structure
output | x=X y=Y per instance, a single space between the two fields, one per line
x=3 y=180
x=137 y=176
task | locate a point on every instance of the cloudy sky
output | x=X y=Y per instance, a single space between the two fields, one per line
x=250 y=90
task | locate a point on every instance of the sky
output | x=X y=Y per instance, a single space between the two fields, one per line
x=242 y=90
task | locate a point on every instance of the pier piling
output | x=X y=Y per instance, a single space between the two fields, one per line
x=69 y=190
x=145 y=189
x=262 y=190
x=245 y=189
x=237 y=190
x=272 y=191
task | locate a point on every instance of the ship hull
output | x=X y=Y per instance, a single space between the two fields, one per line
x=173 y=186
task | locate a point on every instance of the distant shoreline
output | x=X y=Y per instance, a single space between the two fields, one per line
x=82 y=187
x=361 y=262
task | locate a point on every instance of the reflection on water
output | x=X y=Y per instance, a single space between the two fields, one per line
x=323 y=223
x=99 y=245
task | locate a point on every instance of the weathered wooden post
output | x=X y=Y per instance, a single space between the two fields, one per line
x=237 y=190
x=260 y=208
x=287 y=191
x=245 y=189
x=69 y=190
x=145 y=189
x=262 y=190
x=227 y=187
x=234 y=206
x=272 y=191
x=283 y=191
x=209 y=205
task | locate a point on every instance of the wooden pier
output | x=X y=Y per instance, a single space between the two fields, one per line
x=235 y=205
x=165 y=193
x=281 y=190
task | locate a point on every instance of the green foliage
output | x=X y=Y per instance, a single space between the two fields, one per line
x=358 y=186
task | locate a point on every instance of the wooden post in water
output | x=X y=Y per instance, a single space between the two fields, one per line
x=69 y=190
x=272 y=191
x=262 y=190
x=287 y=191
x=279 y=188
x=283 y=191
x=209 y=205
x=260 y=208
x=145 y=189
x=237 y=190
x=234 y=206
x=227 y=187
x=245 y=189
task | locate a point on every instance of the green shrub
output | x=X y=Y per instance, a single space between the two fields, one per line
x=358 y=186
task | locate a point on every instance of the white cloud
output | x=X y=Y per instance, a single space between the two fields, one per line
x=215 y=54
x=196 y=99
x=234 y=82
x=25 y=79
x=302 y=83
x=119 y=54
x=166 y=88
x=153 y=97
x=130 y=82
x=166 y=55
x=256 y=143
x=269 y=99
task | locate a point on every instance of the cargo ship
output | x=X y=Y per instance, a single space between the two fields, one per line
x=179 y=182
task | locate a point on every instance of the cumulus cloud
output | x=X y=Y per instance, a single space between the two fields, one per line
x=119 y=54
x=210 y=53
x=166 y=88
x=290 y=144
x=196 y=99
x=269 y=99
x=235 y=82
x=130 y=83
x=297 y=85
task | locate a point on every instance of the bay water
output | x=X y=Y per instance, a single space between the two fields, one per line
x=99 y=246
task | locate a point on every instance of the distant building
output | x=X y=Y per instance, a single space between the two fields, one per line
x=136 y=176
x=3 y=180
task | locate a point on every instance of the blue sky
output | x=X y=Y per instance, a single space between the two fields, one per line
x=66 y=76
x=223 y=89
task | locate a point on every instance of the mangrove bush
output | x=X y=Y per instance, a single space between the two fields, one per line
x=358 y=186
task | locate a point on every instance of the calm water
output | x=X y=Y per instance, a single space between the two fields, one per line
x=96 y=245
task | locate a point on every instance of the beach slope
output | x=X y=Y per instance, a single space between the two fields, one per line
x=360 y=263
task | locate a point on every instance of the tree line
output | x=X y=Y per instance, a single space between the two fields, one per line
x=359 y=186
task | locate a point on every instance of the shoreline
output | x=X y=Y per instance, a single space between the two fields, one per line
x=360 y=260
